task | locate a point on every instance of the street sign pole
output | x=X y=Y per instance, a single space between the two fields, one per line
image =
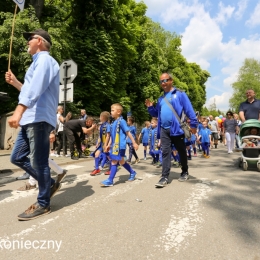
x=65 y=79
x=68 y=72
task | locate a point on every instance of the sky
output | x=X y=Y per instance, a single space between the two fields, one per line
x=217 y=35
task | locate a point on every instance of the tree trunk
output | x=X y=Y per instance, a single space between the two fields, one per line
x=38 y=6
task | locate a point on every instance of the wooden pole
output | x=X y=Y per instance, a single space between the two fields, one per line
x=11 y=42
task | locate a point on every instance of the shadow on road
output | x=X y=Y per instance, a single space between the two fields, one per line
x=239 y=202
x=5 y=194
x=71 y=195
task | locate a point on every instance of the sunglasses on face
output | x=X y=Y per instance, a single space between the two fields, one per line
x=164 y=80
x=31 y=37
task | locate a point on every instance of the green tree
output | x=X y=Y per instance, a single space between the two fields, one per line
x=119 y=51
x=248 y=78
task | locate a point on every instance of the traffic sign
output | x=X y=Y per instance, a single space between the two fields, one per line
x=69 y=95
x=69 y=71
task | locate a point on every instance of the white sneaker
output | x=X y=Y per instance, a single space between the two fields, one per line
x=145 y=158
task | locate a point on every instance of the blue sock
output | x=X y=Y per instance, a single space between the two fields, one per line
x=178 y=157
x=189 y=153
x=127 y=167
x=109 y=165
x=104 y=158
x=194 y=150
x=157 y=157
x=96 y=163
x=207 y=150
x=113 y=171
x=145 y=153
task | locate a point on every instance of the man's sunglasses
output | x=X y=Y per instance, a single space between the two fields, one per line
x=164 y=80
x=31 y=37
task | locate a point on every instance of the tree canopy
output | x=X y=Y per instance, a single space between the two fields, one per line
x=120 y=52
x=248 y=78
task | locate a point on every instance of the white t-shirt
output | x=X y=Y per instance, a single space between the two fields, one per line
x=59 y=123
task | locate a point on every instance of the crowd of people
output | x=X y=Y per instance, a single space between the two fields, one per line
x=164 y=137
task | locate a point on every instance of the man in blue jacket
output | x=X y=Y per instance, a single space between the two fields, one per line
x=169 y=129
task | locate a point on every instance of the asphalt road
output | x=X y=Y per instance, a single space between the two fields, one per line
x=214 y=215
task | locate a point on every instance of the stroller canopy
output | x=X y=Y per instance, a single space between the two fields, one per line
x=247 y=125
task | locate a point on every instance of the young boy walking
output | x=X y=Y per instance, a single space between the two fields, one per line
x=204 y=135
x=132 y=129
x=117 y=145
x=154 y=142
x=145 y=137
x=104 y=135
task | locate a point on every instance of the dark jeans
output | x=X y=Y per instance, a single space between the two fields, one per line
x=166 y=144
x=33 y=140
x=73 y=137
x=132 y=152
x=60 y=136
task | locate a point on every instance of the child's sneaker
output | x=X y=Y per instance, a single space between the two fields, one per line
x=105 y=166
x=189 y=157
x=153 y=162
x=95 y=172
x=207 y=156
x=106 y=183
x=118 y=168
x=144 y=158
x=107 y=172
x=159 y=165
x=132 y=176
x=195 y=155
x=177 y=165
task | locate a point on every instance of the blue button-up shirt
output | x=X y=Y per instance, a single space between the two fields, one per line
x=40 y=91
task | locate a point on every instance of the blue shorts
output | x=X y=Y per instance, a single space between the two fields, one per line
x=118 y=157
x=188 y=143
x=173 y=148
x=145 y=144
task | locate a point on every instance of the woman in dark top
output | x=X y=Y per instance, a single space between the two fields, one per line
x=230 y=129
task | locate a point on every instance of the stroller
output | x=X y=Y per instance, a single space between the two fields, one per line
x=250 y=144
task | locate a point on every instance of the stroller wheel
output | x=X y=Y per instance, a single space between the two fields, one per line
x=245 y=166
x=239 y=163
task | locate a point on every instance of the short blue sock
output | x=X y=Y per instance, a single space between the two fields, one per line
x=144 y=153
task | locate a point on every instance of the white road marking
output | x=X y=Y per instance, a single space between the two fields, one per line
x=72 y=167
x=189 y=220
x=27 y=231
x=81 y=206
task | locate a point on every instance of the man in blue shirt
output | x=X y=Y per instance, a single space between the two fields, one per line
x=169 y=129
x=250 y=109
x=36 y=115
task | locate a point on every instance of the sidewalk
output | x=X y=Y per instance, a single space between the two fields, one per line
x=7 y=166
